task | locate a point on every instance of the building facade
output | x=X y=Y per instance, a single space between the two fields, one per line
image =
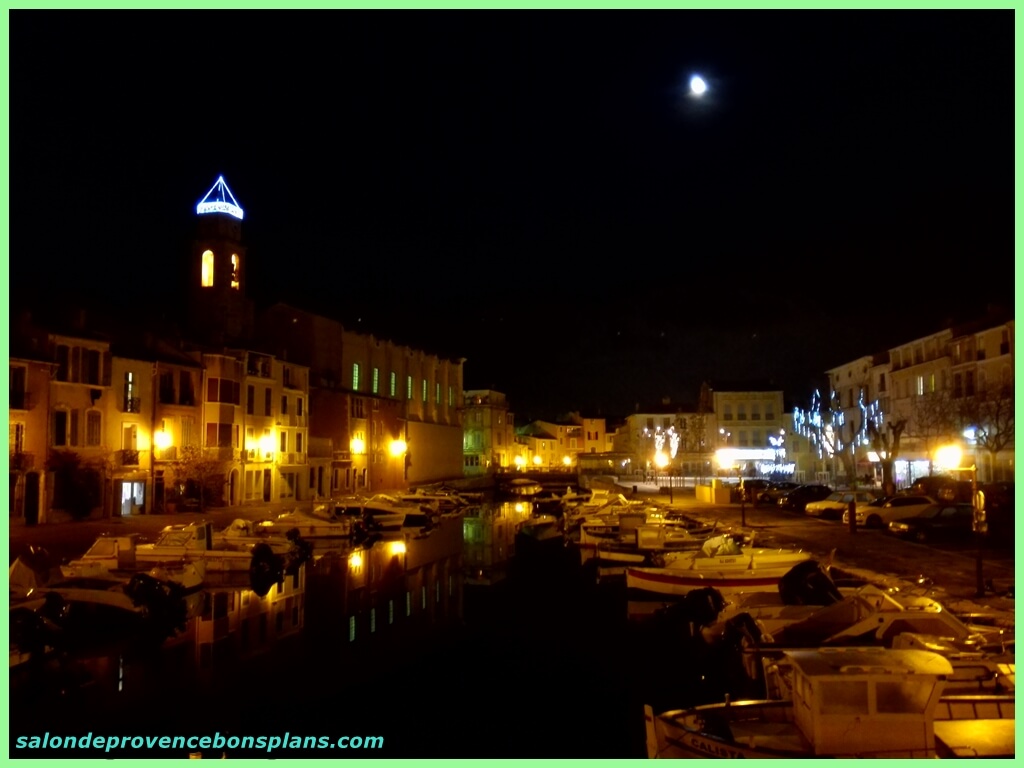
x=489 y=436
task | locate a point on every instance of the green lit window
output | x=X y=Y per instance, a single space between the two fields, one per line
x=355 y=376
x=424 y=390
x=351 y=628
x=408 y=387
x=437 y=393
x=376 y=380
x=451 y=396
x=393 y=384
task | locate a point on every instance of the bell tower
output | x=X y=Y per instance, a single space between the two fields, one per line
x=219 y=311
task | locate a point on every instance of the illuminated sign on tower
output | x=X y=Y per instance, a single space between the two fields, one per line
x=220 y=200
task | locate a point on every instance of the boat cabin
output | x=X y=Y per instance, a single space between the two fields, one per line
x=850 y=700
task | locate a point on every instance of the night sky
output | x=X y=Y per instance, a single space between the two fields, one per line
x=534 y=190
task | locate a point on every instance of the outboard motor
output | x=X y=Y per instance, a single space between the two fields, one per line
x=807 y=583
x=265 y=569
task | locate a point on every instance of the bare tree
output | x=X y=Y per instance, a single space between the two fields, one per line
x=697 y=426
x=991 y=413
x=934 y=420
x=885 y=441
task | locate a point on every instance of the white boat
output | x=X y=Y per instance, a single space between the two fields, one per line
x=541 y=528
x=846 y=703
x=441 y=499
x=380 y=512
x=865 y=615
x=973 y=673
x=264 y=561
x=720 y=563
x=72 y=613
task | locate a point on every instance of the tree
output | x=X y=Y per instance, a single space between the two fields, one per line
x=934 y=420
x=203 y=468
x=991 y=415
x=885 y=441
x=696 y=433
x=835 y=435
x=77 y=485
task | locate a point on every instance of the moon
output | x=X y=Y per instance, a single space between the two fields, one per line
x=697 y=85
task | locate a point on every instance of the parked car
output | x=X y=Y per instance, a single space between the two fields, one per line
x=943 y=488
x=894 y=508
x=938 y=521
x=771 y=494
x=800 y=496
x=833 y=507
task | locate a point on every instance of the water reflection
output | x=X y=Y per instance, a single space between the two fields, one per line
x=351 y=604
x=489 y=540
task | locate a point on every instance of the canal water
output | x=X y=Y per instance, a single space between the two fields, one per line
x=544 y=665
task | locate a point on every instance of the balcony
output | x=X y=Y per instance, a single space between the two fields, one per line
x=129 y=458
x=293 y=458
x=133 y=405
x=20 y=401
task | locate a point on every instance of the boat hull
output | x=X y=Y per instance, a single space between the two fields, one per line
x=679 y=582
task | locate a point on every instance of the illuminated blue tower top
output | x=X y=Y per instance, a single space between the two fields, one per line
x=220 y=200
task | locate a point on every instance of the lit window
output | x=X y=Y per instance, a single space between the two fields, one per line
x=424 y=390
x=355 y=376
x=351 y=628
x=393 y=384
x=408 y=387
x=207 y=280
x=437 y=393
x=376 y=380
x=451 y=397
x=234 y=270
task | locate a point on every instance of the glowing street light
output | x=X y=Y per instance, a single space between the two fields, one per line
x=397 y=448
x=948 y=457
x=162 y=439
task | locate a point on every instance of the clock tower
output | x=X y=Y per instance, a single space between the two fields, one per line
x=219 y=311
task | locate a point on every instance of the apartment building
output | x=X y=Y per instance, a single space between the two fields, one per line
x=489 y=435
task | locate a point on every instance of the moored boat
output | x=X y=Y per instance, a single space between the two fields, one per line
x=846 y=703
x=720 y=563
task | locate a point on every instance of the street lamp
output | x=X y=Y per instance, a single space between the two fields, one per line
x=948 y=457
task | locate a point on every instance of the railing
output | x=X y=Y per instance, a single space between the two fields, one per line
x=21 y=401
x=133 y=405
x=129 y=458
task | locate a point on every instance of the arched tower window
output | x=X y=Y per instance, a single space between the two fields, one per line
x=207 y=278
x=235 y=265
